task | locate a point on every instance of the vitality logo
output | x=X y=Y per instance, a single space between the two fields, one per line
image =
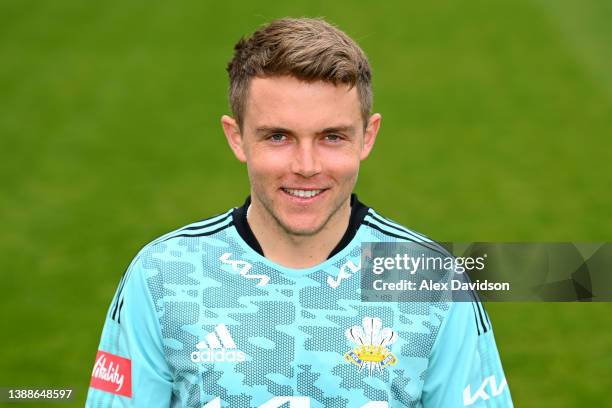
x=217 y=346
x=112 y=374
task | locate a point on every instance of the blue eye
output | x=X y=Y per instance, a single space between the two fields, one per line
x=277 y=137
x=332 y=137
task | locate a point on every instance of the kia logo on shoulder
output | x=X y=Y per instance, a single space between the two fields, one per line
x=490 y=382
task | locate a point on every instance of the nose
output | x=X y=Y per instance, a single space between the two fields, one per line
x=306 y=161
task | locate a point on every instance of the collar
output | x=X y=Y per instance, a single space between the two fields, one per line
x=358 y=213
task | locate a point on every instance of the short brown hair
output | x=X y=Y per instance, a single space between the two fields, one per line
x=309 y=49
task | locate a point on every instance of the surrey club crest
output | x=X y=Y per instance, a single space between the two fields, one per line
x=371 y=340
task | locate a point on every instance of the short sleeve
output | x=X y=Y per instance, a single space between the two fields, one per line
x=465 y=368
x=130 y=368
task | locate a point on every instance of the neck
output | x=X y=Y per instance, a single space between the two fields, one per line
x=297 y=251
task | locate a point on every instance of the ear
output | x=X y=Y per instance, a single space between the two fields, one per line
x=233 y=136
x=369 y=136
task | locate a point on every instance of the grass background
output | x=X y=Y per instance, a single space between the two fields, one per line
x=497 y=119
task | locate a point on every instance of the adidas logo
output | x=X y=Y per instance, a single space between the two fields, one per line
x=217 y=346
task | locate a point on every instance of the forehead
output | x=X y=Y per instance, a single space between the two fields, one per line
x=290 y=103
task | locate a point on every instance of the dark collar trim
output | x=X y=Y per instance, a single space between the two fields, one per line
x=358 y=213
x=239 y=216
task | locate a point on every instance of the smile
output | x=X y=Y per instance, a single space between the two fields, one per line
x=302 y=193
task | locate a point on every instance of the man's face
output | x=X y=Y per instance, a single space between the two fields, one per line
x=302 y=143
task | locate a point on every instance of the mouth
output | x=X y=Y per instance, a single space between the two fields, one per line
x=303 y=194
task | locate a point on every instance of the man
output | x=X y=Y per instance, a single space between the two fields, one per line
x=260 y=306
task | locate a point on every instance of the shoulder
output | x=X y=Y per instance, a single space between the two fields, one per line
x=186 y=236
x=469 y=311
x=206 y=227
x=384 y=229
x=168 y=258
x=176 y=247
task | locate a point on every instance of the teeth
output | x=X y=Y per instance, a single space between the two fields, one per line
x=302 y=193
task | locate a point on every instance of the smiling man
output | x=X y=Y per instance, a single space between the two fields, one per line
x=261 y=306
x=302 y=143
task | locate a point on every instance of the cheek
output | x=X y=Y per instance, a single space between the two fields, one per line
x=343 y=165
x=263 y=165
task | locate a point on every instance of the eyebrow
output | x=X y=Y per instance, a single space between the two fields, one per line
x=332 y=129
x=339 y=129
x=271 y=129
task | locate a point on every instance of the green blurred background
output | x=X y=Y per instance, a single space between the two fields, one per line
x=497 y=119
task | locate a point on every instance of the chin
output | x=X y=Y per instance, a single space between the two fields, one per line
x=303 y=224
x=302 y=229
